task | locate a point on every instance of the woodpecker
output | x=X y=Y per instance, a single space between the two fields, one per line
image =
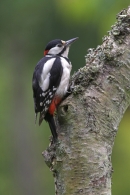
x=50 y=80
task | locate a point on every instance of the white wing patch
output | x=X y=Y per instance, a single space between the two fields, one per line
x=44 y=81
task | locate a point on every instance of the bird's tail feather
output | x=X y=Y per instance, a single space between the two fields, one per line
x=35 y=118
x=49 y=118
x=41 y=117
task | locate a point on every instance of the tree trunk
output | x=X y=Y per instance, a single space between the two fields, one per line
x=88 y=120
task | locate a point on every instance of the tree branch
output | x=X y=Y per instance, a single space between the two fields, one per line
x=88 y=120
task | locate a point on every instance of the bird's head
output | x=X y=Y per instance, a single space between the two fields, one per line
x=59 y=47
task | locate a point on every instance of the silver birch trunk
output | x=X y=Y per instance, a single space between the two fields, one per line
x=88 y=120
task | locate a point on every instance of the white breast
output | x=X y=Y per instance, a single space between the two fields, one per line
x=62 y=89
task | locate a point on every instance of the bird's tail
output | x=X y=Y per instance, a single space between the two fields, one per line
x=41 y=117
x=49 y=118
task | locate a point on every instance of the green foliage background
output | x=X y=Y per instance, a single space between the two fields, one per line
x=25 y=29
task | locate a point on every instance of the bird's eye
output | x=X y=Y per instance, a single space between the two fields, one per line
x=59 y=45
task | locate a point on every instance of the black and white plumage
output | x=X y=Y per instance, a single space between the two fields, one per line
x=51 y=80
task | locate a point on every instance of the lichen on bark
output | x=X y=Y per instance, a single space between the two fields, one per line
x=88 y=120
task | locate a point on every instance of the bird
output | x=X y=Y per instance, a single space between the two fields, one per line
x=50 y=81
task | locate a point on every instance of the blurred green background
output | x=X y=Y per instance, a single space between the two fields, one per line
x=25 y=29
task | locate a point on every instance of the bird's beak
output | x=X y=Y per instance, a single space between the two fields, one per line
x=69 y=42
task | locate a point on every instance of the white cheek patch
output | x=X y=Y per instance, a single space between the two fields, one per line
x=55 y=50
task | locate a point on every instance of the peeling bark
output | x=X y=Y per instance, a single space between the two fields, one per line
x=88 y=120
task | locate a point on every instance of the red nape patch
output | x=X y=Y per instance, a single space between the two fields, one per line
x=53 y=105
x=45 y=52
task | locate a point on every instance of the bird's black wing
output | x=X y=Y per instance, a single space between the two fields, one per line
x=35 y=84
x=43 y=98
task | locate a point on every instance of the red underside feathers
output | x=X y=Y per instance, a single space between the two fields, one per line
x=53 y=105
